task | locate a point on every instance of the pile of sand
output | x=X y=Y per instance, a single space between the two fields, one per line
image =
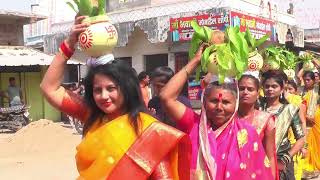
x=41 y=150
x=43 y=136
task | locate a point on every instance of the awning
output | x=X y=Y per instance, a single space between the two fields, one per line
x=25 y=56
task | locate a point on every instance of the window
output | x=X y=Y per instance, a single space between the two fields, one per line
x=154 y=61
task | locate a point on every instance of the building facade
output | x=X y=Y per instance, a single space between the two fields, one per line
x=145 y=38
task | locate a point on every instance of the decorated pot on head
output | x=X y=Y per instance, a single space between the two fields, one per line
x=223 y=56
x=270 y=64
x=255 y=61
x=229 y=53
x=306 y=58
x=101 y=36
x=308 y=66
x=290 y=73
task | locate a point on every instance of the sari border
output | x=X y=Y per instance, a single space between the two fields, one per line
x=149 y=149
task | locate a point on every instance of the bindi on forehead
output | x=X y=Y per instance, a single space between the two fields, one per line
x=220 y=96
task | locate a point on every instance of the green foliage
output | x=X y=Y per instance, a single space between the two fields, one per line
x=252 y=42
x=231 y=56
x=286 y=59
x=306 y=57
x=85 y=7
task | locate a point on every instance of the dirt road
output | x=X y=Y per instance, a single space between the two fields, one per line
x=43 y=150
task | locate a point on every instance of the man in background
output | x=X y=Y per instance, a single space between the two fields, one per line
x=159 y=78
x=14 y=93
x=144 y=81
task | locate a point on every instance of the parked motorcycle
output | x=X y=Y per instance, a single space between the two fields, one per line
x=76 y=124
x=14 y=118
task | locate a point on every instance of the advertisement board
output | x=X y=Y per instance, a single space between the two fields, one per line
x=258 y=26
x=181 y=27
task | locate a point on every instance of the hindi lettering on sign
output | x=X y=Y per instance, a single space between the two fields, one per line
x=257 y=26
x=181 y=27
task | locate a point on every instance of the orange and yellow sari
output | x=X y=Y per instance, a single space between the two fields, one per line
x=312 y=160
x=112 y=150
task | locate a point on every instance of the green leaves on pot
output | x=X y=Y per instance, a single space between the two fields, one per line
x=195 y=44
x=86 y=8
x=72 y=6
x=291 y=59
x=228 y=59
x=252 y=42
x=238 y=48
x=307 y=58
x=205 y=57
x=200 y=35
x=279 y=55
x=101 y=7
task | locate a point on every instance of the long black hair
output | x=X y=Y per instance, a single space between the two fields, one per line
x=309 y=74
x=128 y=83
x=164 y=72
x=280 y=78
x=254 y=79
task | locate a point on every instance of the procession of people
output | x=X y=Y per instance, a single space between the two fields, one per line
x=253 y=124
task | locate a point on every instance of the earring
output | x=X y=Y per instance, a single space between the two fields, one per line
x=281 y=96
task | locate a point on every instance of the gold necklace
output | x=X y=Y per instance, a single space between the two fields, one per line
x=274 y=108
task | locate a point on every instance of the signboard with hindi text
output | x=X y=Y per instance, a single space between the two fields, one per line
x=181 y=27
x=258 y=26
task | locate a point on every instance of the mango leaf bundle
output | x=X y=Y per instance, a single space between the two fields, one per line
x=227 y=52
x=307 y=58
x=280 y=58
x=89 y=8
x=290 y=64
x=274 y=59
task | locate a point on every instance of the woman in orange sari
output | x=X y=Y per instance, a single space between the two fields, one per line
x=120 y=140
x=311 y=165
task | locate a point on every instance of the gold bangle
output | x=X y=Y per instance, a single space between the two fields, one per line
x=185 y=69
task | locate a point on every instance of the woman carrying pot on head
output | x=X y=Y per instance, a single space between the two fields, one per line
x=262 y=121
x=119 y=138
x=312 y=159
x=222 y=146
x=287 y=117
x=309 y=83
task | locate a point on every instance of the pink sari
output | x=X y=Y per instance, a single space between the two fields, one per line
x=234 y=151
x=262 y=121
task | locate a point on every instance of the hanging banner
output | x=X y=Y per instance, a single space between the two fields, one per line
x=194 y=91
x=257 y=26
x=181 y=27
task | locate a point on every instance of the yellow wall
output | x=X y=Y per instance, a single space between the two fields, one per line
x=30 y=82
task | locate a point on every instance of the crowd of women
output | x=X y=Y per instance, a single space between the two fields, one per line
x=256 y=128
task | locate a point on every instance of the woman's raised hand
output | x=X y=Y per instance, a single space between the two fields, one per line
x=76 y=29
x=198 y=55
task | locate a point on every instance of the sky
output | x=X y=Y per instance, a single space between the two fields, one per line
x=307 y=11
x=17 y=5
